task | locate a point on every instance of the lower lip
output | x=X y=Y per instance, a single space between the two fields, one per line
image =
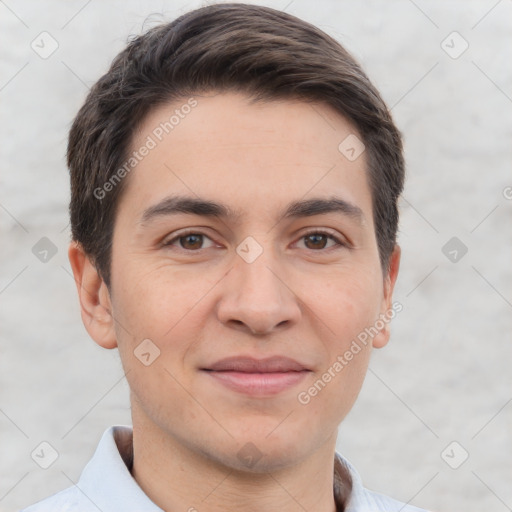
x=258 y=384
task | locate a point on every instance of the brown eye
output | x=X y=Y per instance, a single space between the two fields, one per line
x=191 y=242
x=316 y=241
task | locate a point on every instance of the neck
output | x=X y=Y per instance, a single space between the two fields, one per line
x=177 y=478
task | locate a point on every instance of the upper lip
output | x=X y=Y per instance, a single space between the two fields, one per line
x=245 y=364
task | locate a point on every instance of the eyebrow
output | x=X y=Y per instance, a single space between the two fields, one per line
x=173 y=205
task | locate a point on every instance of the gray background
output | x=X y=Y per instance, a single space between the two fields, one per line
x=444 y=377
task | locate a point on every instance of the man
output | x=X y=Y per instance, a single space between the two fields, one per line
x=234 y=181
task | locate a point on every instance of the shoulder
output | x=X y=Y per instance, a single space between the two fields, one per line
x=99 y=477
x=362 y=499
x=68 y=500
x=373 y=501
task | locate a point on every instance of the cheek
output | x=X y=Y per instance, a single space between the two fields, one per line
x=164 y=306
x=168 y=306
x=329 y=397
x=347 y=301
x=152 y=301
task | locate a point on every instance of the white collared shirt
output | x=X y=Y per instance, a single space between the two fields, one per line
x=106 y=485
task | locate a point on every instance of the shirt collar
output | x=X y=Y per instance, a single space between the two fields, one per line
x=107 y=472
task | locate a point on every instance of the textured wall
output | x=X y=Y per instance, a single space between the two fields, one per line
x=444 y=377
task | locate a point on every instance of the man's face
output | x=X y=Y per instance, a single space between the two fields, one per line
x=247 y=287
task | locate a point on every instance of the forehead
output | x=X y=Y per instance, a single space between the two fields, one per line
x=253 y=156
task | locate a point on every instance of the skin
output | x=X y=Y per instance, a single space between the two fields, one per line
x=302 y=298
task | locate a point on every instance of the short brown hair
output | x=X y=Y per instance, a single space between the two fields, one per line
x=265 y=53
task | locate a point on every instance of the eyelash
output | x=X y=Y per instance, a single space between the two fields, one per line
x=339 y=243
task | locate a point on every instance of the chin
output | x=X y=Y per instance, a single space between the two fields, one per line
x=256 y=454
x=251 y=459
x=264 y=454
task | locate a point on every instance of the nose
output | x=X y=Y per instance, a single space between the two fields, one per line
x=257 y=299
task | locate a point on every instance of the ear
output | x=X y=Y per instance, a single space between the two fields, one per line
x=94 y=298
x=387 y=311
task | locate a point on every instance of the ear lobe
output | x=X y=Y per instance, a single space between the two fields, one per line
x=382 y=338
x=95 y=304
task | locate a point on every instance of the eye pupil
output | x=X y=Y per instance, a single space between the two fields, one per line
x=318 y=240
x=191 y=241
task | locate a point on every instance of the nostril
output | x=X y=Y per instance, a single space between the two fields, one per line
x=237 y=324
